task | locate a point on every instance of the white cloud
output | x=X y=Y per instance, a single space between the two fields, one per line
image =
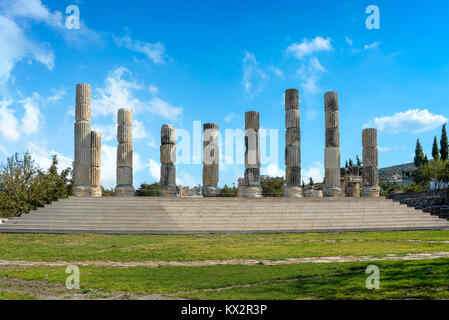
x=349 y=41
x=277 y=72
x=30 y=120
x=59 y=94
x=230 y=117
x=8 y=122
x=43 y=157
x=108 y=166
x=310 y=74
x=308 y=47
x=164 y=109
x=254 y=77
x=272 y=170
x=155 y=169
x=185 y=179
x=153 y=51
x=413 y=120
x=315 y=171
x=138 y=130
x=108 y=132
x=4 y=150
x=394 y=148
x=371 y=46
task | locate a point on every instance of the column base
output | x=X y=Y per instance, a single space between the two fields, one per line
x=168 y=192
x=331 y=191
x=313 y=194
x=124 y=191
x=82 y=191
x=96 y=192
x=370 y=192
x=252 y=192
x=293 y=192
x=209 y=191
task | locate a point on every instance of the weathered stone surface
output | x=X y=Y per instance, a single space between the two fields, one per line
x=124 y=176
x=293 y=176
x=95 y=149
x=291 y=99
x=82 y=112
x=125 y=133
x=292 y=156
x=292 y=118
x=124 y=117
x=82 y=191
x=168 y=134
x=83 y=93
x=332 y=177
x=331 y=191
x=252 y=120
x=369 y=137
x=252 y=153
x=125 y=155
x=84 y=156
x=313 y=193
x=331 y=119
x=210 y=175
x=210 y=145
x=208 y=191
x=353 y=189
x=252 y=192
x=370 y=192
x=331 y=101
x=241 y=187
x=168 y=175
x=370 y=157
x=292 y=192
x=252 y=177
x=96 y=177
x=95 y=139
x=96 y=156
x=124 y=191
x=292 y=137
x=332 y=138
x=370 y=174
x=82 y=134
x=168 y=153
x=332 y=158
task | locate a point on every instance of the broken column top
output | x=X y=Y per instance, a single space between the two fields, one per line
x=83 y=93
x=291 y=99
x=369 y=137
x=124 y=116
x=252 y=120
x=331 y=101
x=95 y=139
x=209 y=126
x=168 y=134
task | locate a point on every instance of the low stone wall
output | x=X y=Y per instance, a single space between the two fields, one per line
x=428 y=201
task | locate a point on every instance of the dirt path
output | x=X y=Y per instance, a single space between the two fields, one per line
x=248 y=262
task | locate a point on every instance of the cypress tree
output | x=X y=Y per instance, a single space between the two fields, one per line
x=444 y=144
x=435 y=149
x=419 y=155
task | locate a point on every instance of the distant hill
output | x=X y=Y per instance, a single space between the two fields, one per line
x=402 y=169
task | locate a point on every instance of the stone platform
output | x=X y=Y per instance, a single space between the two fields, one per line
x=155 y=215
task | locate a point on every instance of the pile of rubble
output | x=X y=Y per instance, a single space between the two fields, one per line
x=436 y=203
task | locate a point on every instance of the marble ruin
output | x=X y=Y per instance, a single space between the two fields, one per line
x=82 y=164
x=168 y=159
x=124 y=186
x=210 y=159
x=331 y=186
x=370 y=175
x=292 y=145
x=338 y=182
x=252 y=156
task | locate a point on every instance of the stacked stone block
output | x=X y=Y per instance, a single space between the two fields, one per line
x=168 y=159
x=292 y=145
x=252 y=156
x=124 y=186
x=332 y=181
x=210 y=159
x=82 y=128
x=353 y=181
x=95 y=149
x=370 y=175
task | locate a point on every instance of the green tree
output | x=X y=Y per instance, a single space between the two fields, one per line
x=346 y=164
x=444 y=145
x=435 y=171
x=359 y=163
x=435 y=149
x=419 y=155
x=272 y=187
x=311 y=181
x=148 y=190
x=228 y=191
x=351 y=163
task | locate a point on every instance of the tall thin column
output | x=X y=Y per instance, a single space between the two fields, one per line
x=82 y=128
x=168 y=159
x=332 y=181
x=252 y=156
x=124 y=186
x=95 y=149
x=210 y=159
x=292 y=145
x=370 y=174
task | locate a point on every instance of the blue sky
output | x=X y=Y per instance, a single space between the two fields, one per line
x=183 y=61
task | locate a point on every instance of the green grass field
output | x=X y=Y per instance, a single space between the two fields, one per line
x=405 y=279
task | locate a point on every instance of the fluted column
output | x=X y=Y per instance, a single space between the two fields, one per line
x=210 y=159
x=252 y=156
x=82 y=128
x=95 y=149
x=168 y=159
x=292 y=145
x=124 y=186
x=332 y=181
x=370 y=174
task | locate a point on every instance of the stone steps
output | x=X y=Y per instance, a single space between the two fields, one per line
x=198 y=215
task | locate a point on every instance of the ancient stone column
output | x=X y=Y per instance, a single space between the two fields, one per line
x=332 y=181
x=241 y=187
x=95 y=151
x=210 y=159
x=370 y=174
x=82 y=163
x=252 y=156
x=124 y=186
x=353 y=183
x=168 y=159
x=292 y=145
